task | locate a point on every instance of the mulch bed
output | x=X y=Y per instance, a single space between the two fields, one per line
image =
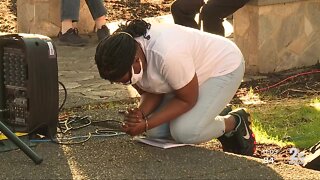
x=294 y=83
x=8 y=16
x=131 y=9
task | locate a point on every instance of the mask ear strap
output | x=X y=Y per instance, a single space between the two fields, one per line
x=140 y=61
x=139 y=52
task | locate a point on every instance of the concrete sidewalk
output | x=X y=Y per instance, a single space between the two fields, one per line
x=120 y=157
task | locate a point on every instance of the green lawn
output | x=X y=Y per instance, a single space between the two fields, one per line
x=295 y=121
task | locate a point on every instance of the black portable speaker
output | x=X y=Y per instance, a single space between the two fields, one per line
x=29 y=77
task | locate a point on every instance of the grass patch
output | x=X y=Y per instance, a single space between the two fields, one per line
x=295 y=122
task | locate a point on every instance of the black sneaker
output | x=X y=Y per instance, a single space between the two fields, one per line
x=246 y=142
x=71 y=38
x=103 y=32
x=228 y=143
x=226 y=110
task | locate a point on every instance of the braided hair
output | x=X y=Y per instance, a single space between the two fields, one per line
x=115 y=54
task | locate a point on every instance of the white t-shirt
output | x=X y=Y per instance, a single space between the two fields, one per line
x=175 y=53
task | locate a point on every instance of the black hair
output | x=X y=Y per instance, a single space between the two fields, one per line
x=115 y=54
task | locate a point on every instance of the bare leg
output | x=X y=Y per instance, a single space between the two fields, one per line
x=230 y=123
x=101 y=26
x=66 y=25
x=100 y=21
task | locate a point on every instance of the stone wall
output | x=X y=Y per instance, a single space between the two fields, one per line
x=43 y=17
x=276 y=35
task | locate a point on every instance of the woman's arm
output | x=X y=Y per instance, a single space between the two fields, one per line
x=148 y=101
x=184 y=99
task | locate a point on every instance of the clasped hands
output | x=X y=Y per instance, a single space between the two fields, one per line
x=134 y=123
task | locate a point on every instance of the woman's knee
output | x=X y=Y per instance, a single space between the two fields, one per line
x=161 y=131
x=183 y=135
x=200 y=131
x=186 y=134
x=190 y=136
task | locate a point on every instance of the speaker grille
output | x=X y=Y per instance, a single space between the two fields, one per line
x=30 y=83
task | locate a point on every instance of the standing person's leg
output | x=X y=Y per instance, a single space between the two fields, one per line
x=214 y=11
x=98 y=12
x=69 y=14
x=184 y=11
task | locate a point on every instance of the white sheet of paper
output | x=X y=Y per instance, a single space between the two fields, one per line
x=161 y=143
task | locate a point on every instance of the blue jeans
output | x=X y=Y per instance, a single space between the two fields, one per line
x=70 y=9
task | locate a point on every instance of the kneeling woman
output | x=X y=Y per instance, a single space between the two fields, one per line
x=185 y=77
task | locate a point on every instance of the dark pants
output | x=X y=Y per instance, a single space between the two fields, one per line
x=70 y=9
x=212 y=13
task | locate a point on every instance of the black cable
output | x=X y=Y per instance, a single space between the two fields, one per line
x=65 y=95
x=70 y=143
x=67 y=141
x=66 y=125
x=113 y=125
x=63 y=102
x=83 y=121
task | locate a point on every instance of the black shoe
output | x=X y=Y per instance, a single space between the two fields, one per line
x=71 y=38
x=226 y=110
x=228 y=143
x=246 y=142
x=103 y=32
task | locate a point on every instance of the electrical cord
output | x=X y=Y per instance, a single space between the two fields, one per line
x=66 y=124
x=64 y=100
x=115 y=123
x=83 y=121
x=69 y=141
x=290 y=77
x=65 y=95
x=78 y=122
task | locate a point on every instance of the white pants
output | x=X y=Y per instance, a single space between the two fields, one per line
x=202 y=123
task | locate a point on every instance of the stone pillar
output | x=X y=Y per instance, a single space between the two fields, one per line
x=276 y=35
x=43 y=17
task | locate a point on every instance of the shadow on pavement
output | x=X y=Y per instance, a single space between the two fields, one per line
x=16 y=165
x=122 y=158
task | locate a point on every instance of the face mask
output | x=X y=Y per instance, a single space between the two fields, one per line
x=137 y=77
